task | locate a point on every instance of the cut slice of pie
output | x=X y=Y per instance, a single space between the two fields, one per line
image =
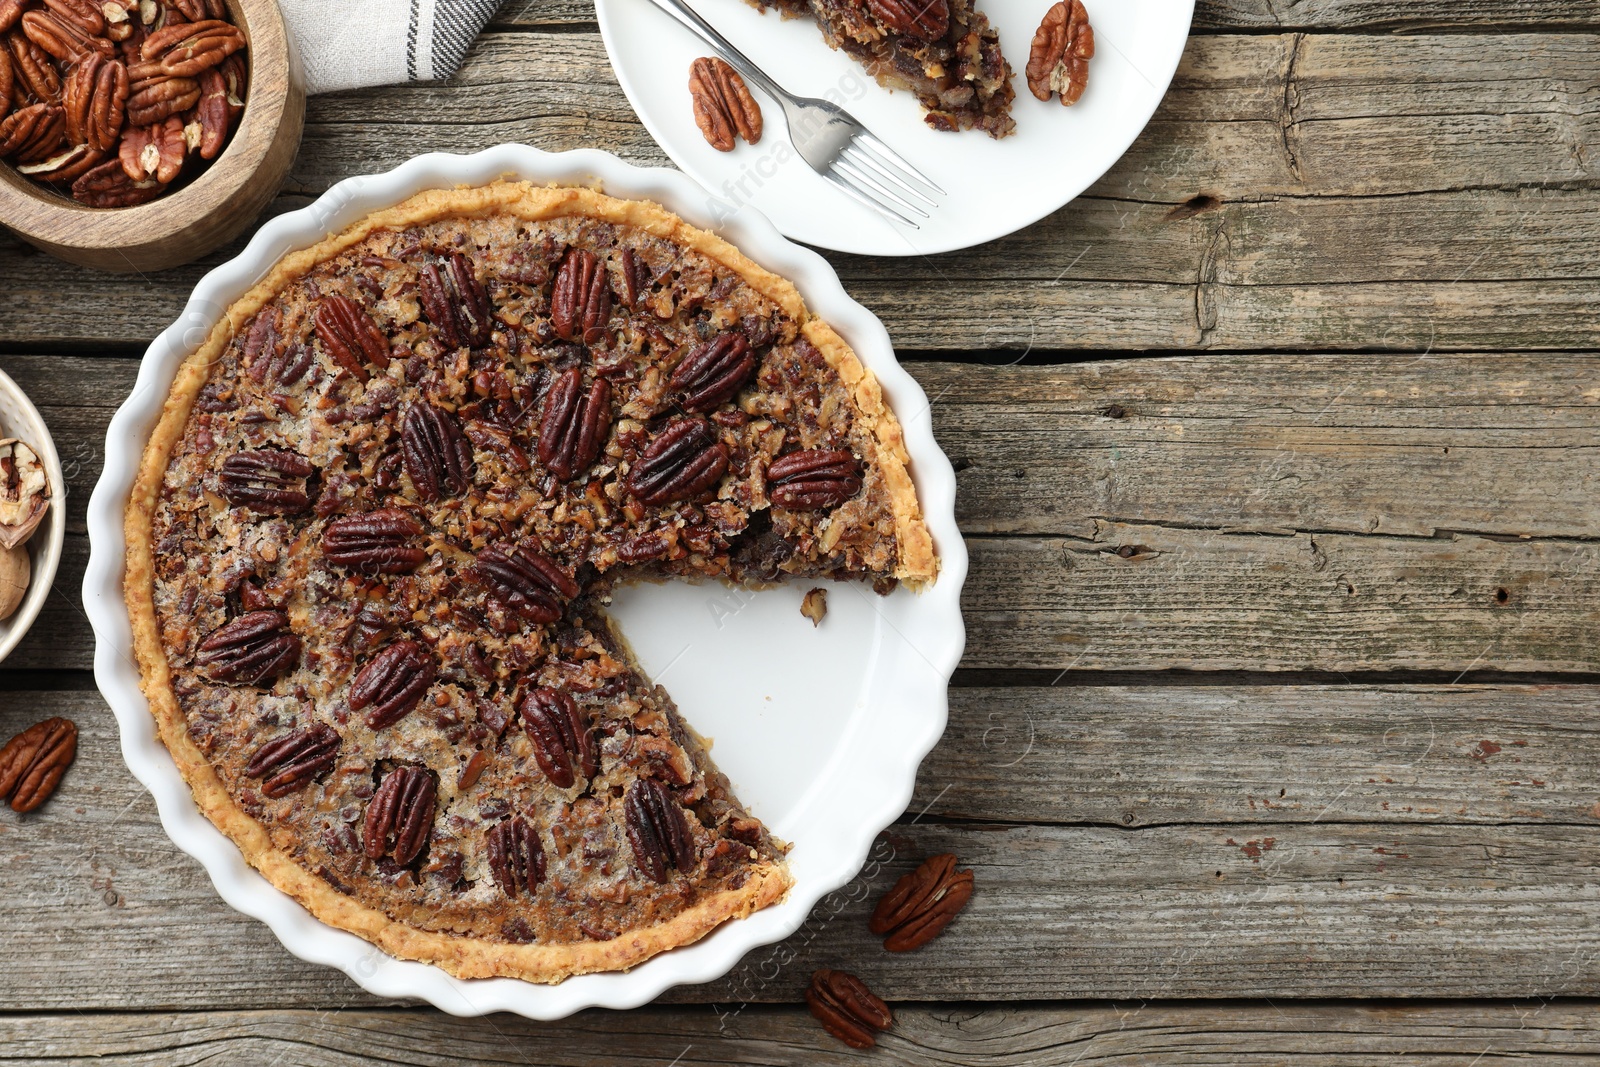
x=943 y=51
x=373 y=538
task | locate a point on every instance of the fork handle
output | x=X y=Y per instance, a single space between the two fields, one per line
x=690 y=18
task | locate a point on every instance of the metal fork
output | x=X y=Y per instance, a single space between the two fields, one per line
x=828 y=137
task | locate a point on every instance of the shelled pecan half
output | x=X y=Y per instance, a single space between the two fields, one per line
x=563 y=742
x=921 y=904
x=723 y=107
x=294 y=760
x=573 y=429
x=437 y=455
x=400 y=815
x=813 y=480
x=350 y=336
x=32 y=763
x=847 y=1009
x=95 y=96
x=375 y=542
x=393 y=683
x=713 y=372
x=684 y=460
x=1059 y=59
x=268 y=481
x=455 y=301
x=516 y=858
x=580 y=303
x=254 y=648
x=524 y=580
x=927 y=20
x=658 y=830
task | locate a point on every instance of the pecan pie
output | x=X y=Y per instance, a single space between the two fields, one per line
x=374 y=535
x=945 y=52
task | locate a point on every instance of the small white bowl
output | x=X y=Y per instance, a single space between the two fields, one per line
x=821 y=731
x=20 y=419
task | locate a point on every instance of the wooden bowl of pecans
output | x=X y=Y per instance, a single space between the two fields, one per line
x=141 y=134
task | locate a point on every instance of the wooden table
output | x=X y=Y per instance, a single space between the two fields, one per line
x=1275 y=741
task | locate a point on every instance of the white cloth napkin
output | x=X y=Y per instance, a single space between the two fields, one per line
x=345 y=44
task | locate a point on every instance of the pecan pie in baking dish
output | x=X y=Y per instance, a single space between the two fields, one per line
x=373 y=538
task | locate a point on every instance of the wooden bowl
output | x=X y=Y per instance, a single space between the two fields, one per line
x=212 y=208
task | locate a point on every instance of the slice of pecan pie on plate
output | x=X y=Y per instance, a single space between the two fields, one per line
x=943 y=51
x=374 y=536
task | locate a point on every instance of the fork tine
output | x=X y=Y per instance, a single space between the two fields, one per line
x=863 y=158
x=870 y=143
x=864 y=181
x=867 y=201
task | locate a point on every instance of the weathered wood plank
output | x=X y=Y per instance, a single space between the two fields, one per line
x=107 y=914
x=1166 y=755
x=1268 y=754
x=1490 y=444
x=1261 y=490
x=1453 y=1034
x=1453 y=210
x=1223 y=15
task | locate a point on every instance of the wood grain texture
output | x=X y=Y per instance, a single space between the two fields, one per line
x=1221 y=16
x=1235 y=903
x=1364 y=192
x=1222 y=513
x=1282 y=1033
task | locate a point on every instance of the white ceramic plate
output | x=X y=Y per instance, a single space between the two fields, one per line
x=20 y=419
x=995 y=187
x=821 y=731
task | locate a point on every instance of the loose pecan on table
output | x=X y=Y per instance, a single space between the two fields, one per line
x=455 y=301
x=563 y=743
x=713 y=372
x=268 y=481
x=32 y=763
x=847 y=1009
x=524 y=580
x=1059 y=59
x=928 y=20
x=684 y=460
x=347 y=331
x=723 y=107
x=376 y=542
x=295 y=759
x=400 y=815
x=657 y=830
x=393 y=683
x=921 y=904
x=580 y=302
x=516 y=858
x=573 y=428
x=813 y=480
x=437 y=455
x=254 y=648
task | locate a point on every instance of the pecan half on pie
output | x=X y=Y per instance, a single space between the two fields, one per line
x=376 y=528
x=944 y=51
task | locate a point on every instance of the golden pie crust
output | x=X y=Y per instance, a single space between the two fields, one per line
x=470 y=957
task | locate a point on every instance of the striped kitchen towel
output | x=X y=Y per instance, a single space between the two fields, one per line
x=345 y=44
